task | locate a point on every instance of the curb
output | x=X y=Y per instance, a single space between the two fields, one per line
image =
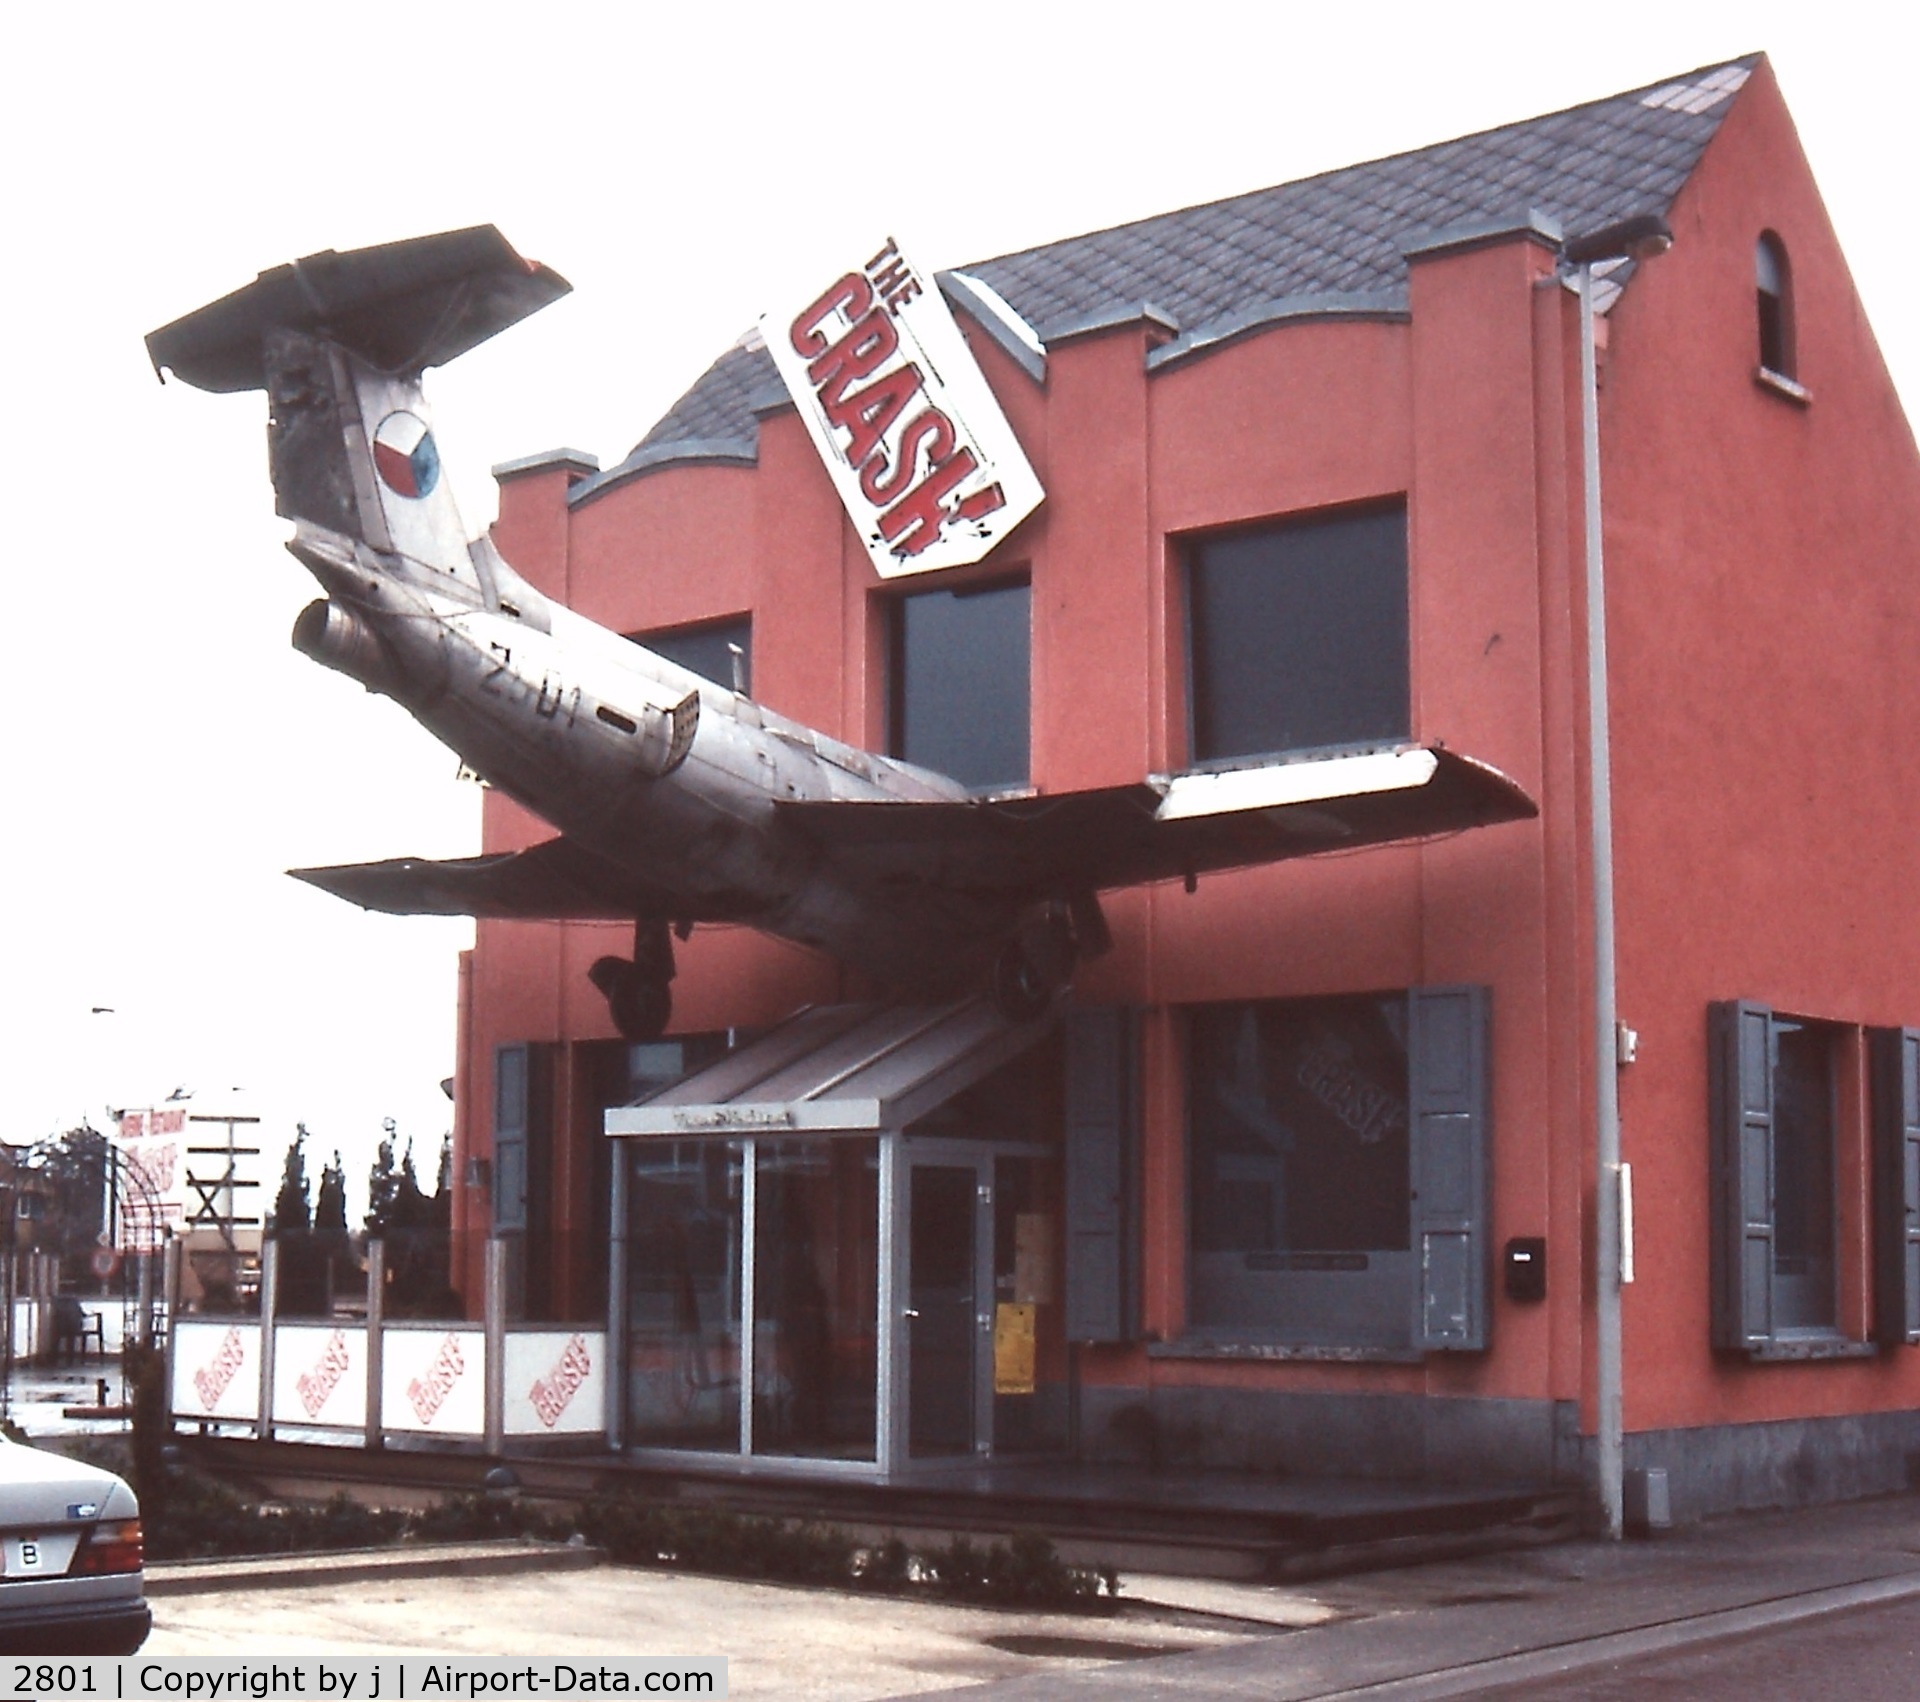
x=347 y=1566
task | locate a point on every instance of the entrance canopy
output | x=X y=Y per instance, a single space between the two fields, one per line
x=834 y=1068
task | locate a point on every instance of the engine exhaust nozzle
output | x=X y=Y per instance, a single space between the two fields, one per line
x=338 y=638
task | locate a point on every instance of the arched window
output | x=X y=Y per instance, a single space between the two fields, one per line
x=1773 y=290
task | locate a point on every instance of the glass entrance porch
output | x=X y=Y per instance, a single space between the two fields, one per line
x=866 y=1300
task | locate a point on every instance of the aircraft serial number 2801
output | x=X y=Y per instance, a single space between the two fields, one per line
x=677 y=801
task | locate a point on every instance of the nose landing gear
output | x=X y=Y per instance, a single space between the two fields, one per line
x=639 y=997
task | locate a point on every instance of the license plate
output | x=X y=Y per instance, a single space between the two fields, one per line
x=38 y=1555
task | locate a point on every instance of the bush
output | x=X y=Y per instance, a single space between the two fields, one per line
x=1026 y=1572
x=198 y=1518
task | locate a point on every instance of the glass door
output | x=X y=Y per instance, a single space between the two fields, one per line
x=945 y=1309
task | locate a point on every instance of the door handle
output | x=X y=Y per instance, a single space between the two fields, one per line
x=910 y=1311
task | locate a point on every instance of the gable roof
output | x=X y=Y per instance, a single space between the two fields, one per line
x=1332 y=244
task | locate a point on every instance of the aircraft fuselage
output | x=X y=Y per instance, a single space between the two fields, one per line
x=623 y=750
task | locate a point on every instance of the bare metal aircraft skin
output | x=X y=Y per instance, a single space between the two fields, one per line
x=677 y=801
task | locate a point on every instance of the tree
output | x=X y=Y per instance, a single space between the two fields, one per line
x=292 y=1209
x=383 y=1182
x=330 y=1209
x=394 y=1199
x=404 y=1218
x=69 y=1186
x=442 y=1201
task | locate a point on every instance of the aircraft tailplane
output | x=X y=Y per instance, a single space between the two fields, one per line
x=401 y=307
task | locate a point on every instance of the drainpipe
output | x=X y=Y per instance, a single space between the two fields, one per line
x=1638 y=238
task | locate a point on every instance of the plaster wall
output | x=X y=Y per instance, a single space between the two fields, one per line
x=1765 y=660
x=1763 y=562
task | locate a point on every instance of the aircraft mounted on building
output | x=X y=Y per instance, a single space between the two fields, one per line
x=676 y=801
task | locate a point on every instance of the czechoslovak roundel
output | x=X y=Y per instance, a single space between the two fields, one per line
x=404 y=455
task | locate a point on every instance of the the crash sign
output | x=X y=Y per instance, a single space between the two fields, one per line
x=923 y=458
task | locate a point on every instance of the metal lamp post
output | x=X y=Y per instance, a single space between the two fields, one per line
x=1638 y=238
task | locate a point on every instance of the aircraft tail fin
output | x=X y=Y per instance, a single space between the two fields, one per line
x=339 y=343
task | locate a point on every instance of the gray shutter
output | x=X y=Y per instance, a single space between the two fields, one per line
x=512 y=1065
x=1099 y=1165
x=1449 y=1116
x=1895 y=1054
x=1740 y=1082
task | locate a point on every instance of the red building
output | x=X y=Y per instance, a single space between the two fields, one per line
x=1306 y=1177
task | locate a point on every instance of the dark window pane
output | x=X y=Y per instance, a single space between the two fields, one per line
x=705 y=650
x=1300 y=1125
x=1773 y=334
x=1803 y=1142
x=1299 y=1181
x=816 y=1298
x=960 y=683
x=1773 y=295
x=683 y=1293
x=1298 y=636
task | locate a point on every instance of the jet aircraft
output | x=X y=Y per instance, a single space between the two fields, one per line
x=677 y=801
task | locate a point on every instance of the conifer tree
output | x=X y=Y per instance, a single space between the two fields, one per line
x=330 y=1209
x=292 y=1209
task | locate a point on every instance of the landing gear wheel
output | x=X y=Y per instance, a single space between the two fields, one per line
x=641 y=1005
x=1020 y=991
x=1034 y=965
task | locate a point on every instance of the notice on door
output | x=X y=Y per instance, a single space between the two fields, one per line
x=1013 y=1337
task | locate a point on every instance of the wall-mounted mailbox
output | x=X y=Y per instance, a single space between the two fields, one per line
x=1525 y=1266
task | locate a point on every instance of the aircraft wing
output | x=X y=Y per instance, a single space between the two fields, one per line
x=552 y=881
x=1166 y=827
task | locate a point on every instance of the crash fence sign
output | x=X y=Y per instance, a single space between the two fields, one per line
x=924 y=459
x=151 y=1187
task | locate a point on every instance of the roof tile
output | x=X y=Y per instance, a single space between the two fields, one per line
x=1343 y=231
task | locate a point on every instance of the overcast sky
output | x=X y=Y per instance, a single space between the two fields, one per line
x=686 y=167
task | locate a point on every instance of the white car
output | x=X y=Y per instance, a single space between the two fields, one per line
x=70 y=1558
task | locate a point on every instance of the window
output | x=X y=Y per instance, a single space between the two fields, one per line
x=1804 y=1296
x=1774 y=295
x=706 y=649
x=1297 y=635
x=1789 y=1098
x=959 y=683
x=1895 y=1054
x=523 y=1110
x=1337 y=1171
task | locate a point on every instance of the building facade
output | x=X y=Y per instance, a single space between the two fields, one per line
x=1303 y=1179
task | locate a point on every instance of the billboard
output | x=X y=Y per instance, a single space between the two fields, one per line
x=924 y=459
x=150 y=1191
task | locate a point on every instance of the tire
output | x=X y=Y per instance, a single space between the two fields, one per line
x=640 y=1005
x=1021 y=989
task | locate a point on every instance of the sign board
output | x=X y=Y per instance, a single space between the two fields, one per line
x=1013 y=1349
x=151 y=1188
x=923 y=458
x=216 y=1369
x=434 y=1380
x=320 y=1375
x=556 y=1383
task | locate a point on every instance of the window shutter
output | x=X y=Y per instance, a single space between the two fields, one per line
x=1740 y=1079
x=511 y=1068
x=1099 y=1165
x=1449 y=1115
x=1895 y=1054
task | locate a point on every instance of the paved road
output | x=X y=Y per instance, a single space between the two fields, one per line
x=1865 y=1655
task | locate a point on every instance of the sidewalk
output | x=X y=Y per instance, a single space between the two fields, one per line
x=1463 y=1628
x=1452 y=1628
